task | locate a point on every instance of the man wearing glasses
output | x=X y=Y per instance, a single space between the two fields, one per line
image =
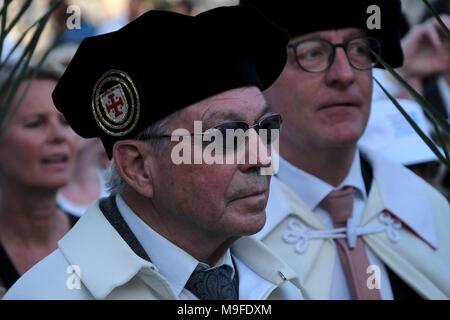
x=167 y=231
x=350 y=223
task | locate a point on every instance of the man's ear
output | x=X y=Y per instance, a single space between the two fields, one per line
x=131 y=158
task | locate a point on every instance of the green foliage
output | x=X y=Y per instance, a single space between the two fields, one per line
x=22 y=66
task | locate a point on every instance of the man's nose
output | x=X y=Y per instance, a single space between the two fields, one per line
x=258 y=152
x=340 y=73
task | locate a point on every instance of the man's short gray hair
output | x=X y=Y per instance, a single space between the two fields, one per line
x=114 y=180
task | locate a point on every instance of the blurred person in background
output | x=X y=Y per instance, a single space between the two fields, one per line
x=427 y=57
x=388 y=133
x=135 y=9
x=183 y=7
x=426 y=47
x=436 y=85
x=36 y=158
x=87 y=181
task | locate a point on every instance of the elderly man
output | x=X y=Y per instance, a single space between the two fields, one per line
x=167 y=232
x=352 y=224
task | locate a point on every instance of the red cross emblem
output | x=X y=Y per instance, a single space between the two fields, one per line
x=115 y=103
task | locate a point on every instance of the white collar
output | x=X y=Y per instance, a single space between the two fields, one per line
x=106 y=261
x=313 y=190
x=401 y=191
x=310 y=189
x=175 y=264
x=404 y=195
x=103 y=256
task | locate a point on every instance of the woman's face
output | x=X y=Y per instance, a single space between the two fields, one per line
x=38 y=148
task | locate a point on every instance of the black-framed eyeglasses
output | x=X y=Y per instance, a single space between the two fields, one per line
x=268 y=128
x=317 y=55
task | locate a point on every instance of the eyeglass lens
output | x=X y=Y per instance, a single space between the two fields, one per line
x=233 y=133
x=317 y=55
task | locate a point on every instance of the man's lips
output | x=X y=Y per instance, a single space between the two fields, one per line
x=340 y=104
x=252 y=194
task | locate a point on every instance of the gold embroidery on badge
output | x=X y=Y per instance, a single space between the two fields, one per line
x=116 y=103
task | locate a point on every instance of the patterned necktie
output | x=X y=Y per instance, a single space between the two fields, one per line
x=354 y=261
x=213 y=283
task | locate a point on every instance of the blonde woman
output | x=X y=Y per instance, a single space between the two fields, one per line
x=36 y=156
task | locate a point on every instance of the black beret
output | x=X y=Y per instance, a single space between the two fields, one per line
x=119 y=83
x=302 y=17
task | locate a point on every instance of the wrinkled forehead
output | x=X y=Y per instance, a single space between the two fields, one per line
x=343 y=33
x=243 y=104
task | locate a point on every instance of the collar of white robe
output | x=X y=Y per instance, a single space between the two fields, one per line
x=297 y=233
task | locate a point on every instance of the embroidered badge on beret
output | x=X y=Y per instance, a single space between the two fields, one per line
x=115 y=103
x=115 y=96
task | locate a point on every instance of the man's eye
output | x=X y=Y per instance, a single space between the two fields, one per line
x=359 y=50
x=311 y=54
x=359 y=46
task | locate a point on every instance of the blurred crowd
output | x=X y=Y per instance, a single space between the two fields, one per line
x=49 y=175
x=426 y=69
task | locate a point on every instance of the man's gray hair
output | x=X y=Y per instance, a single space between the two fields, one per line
x=114 y=180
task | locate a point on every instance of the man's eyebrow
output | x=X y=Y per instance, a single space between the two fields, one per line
x=267 y=109
x=221 y=115
x=319 y=35
x=356 y=33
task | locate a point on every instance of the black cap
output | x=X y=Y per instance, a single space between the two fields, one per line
x=302 y=17
x=119 y=83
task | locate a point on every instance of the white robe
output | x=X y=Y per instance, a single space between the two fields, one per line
x=109 y=269
x=421 y=257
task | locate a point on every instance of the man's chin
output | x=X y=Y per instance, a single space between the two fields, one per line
x=344 y=137
x=244 y=219
x=254 y=224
